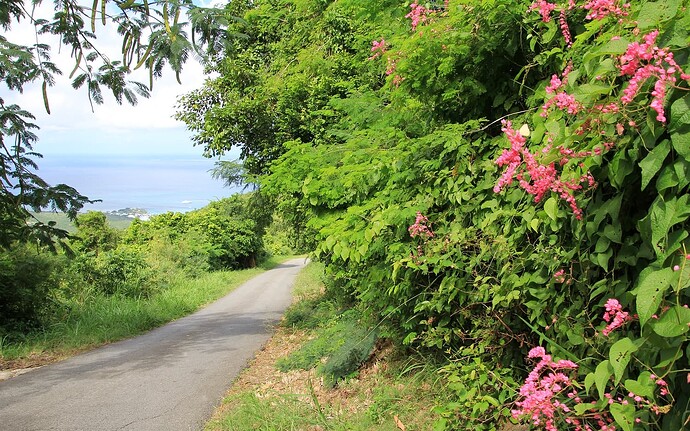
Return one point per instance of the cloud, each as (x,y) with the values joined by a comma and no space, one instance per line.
(71,111)
(72,127)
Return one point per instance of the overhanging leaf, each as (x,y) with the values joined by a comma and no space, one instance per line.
(673,322)
(624,415)
(651,287)
(601,377)
(619,357)
(551,208)
(651,164)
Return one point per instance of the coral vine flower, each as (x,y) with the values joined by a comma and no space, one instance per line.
(378,48)
(539,395)
(614,316)
(565,30)
(600,9)
(536,179)
(418,15)
(421,227)
(545,8)
(561,99)
(644,61)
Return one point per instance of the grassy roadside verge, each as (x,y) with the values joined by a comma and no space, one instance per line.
(388,392)
(99,319)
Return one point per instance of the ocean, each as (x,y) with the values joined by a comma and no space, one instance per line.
(156,184)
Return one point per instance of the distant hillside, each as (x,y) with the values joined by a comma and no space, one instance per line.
(117,221)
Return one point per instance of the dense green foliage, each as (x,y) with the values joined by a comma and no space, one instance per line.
(388,156)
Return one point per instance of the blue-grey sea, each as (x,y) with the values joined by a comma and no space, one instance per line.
(153,183)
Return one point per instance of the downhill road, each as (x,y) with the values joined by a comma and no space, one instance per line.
(168,379)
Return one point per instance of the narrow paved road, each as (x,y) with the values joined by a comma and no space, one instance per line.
(168,379)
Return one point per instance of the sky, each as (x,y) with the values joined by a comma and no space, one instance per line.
(110,129)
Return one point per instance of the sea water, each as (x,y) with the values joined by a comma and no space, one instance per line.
(156,184)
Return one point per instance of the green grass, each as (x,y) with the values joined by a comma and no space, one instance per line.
(103,319)
(371,404)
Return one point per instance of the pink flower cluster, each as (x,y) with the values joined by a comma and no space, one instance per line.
(597,9)
(421,227)
(600,9)
(540,178)
(545,8)
(565,30)
(543,390)
(559,276)
(645,60)
(614,316)
(391,65)
(561,99)
(543,386)
(378,48)
(418,14)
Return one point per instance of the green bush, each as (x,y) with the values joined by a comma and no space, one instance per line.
(213,233)
(123,271)
(27,277)
(94,234)
(189,255)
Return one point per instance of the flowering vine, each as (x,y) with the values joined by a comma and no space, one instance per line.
(534,177)
(643,61)
(418,15)
(540,393)
(378,48)
(421,227)
(614,316)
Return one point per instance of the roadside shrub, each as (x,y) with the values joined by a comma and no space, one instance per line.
(358,343)
(93,233)
(27,277)
(122,271)
(190,255)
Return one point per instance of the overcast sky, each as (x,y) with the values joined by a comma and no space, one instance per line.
(72,128)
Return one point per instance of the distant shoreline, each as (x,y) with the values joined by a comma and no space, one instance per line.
(118,219)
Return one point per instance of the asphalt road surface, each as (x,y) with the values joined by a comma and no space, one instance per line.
(168,379)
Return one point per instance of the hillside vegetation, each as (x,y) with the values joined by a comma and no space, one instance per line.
(502,184)
(106,284)
(63,222)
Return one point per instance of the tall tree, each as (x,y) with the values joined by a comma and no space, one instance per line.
(153,34)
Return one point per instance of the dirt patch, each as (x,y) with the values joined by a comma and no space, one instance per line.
(32,361)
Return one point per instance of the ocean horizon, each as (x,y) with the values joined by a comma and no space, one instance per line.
(156,184)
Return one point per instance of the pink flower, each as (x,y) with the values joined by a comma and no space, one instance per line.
(644,61)
(565,30)
(378,48)
(392,65)
(418,14)
(545,8)
(539,394)
(421,227)
(614,316)
(536,179)
(600,9)
(561,99)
